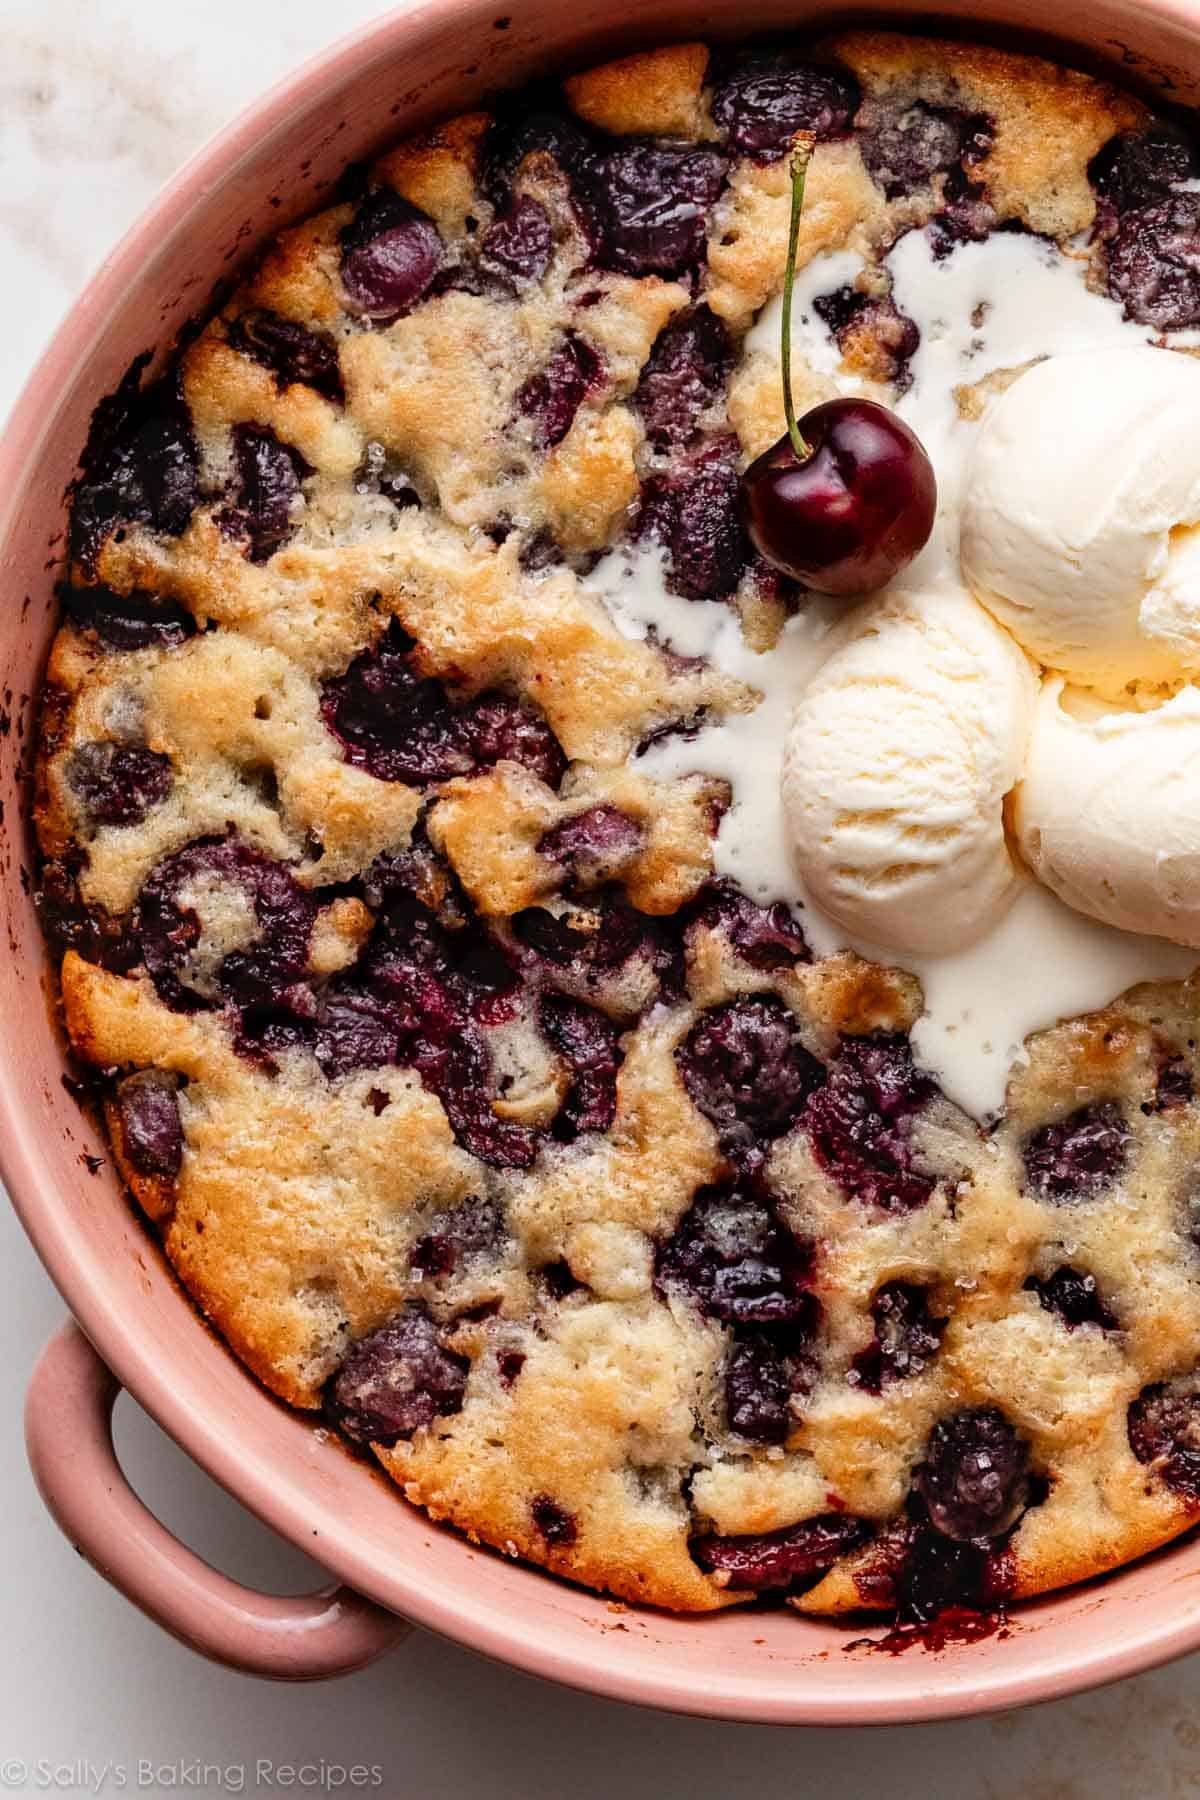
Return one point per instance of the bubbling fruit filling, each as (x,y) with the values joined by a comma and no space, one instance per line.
(409,799)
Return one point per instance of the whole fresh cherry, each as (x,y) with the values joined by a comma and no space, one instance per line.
(850,512)
(847,497)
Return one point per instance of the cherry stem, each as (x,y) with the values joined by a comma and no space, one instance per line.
(803,145)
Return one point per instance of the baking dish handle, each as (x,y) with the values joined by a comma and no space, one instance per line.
(68,1434)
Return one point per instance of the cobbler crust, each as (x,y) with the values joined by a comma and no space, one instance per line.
(468,1105)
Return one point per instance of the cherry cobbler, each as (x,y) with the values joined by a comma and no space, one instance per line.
(481,1100)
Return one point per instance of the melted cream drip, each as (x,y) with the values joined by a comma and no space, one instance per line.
(988,306)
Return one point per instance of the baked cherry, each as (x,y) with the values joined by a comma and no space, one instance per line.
(151,1129)
(1079,1157)
(397,1380)
(118,784)
(791,1559)
(589,1045)
(551,397)
(556,1524)
(391,252)
(847,496)
(289,350)
(134,621)
(1164,1431)
(455,1235)
(975,1477)
(765,1370)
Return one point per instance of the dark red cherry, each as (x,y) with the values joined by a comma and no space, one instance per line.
(396,1380)
(854,512)
(847,497)
(390,254)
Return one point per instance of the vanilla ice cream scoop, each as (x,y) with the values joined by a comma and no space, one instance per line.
(898,760)
(1078,528)
(1108,815)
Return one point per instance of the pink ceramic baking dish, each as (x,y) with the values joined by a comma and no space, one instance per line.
(141,1332)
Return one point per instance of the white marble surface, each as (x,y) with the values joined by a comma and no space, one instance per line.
(98,103)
